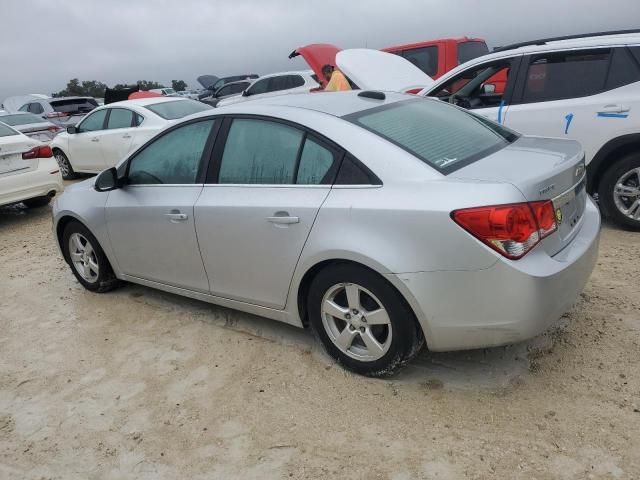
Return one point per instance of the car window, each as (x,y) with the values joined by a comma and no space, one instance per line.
(35,108)
(93,122)
(139,119)
(278,83)
(315,163)
(20,119)
(173,158)
(74,105)
(439,134)
(120,118)
(24,108)
(261,86)
(226,90)
(238,87)
(177,109)
(425,58)
(470,50)
(6,131)
(623,69)
(260,152)
(296,81)
(557,76)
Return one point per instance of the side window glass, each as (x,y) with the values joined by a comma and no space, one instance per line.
(565,75)
(278,83)
(351,173)
(93,122)
(174,158)
(296,81)
(139,119)
(426,59)
(315,163)
(120,118)
(36,108)
(259,87)
(623,69)
(260,152)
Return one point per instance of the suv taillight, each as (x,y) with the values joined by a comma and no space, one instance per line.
(56,115)
(43,151)
(511,230)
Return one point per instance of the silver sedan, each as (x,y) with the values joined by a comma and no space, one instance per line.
(382,221)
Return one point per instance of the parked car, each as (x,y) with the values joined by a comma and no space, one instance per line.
(28,172)
(62,111)
(275,84)
(212,84)
(168,92)
(585,88)
(109,133)
(191,94)
(380,220)
(226,91)
(31,125)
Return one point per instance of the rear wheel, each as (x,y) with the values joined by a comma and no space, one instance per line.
(88,262)
(362,320)
(37,202)
(619,192)
(65,166)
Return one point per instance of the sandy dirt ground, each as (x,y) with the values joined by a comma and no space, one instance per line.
(142,384)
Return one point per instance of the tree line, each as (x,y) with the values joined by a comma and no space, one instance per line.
(94,88)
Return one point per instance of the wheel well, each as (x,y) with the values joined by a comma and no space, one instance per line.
(307,279)
(612,150)
(62,224)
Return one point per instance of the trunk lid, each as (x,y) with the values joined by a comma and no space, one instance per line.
(376,70)
(541,169)
(317,55)
(11,149)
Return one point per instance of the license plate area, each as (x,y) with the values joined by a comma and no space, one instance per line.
(12,162)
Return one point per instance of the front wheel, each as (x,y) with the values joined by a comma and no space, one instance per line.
(362,320)
(619,192)
(65,166)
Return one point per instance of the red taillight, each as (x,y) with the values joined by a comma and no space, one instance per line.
(512,230)
(414,91)
(54,129)
(43,151)
(56,115)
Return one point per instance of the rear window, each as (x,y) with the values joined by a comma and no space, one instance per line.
(177,109)
(425,58)
(443,136)
(21,119)
(75,105)
(470,50)
(6,131)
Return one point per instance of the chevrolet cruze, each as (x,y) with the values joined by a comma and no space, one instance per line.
(382,221)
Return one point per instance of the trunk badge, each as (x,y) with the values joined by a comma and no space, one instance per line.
(558,215)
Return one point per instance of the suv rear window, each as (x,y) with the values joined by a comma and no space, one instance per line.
(76,105)
(177,109)
(441,135)
(470,50)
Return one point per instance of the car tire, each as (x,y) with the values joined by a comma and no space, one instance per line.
(37,202)
(613,202)
(340,299)
(64,165)
(86,258)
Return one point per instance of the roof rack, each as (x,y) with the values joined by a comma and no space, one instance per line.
(544,41)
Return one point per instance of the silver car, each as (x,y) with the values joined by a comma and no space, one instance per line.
(380,220)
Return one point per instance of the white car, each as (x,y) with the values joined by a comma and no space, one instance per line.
(275,84)
(165,91)
(109,133)
(28,172)
(582,87)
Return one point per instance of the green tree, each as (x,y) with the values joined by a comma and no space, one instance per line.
(149,84)
(178,85)
(86,88)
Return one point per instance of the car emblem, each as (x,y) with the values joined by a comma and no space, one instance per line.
(559,215)
(579,170)
(547,189)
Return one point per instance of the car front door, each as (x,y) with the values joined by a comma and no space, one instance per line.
(474,88)
(117,139)
(151,220)
(85,146)
(577,94)
(257,208)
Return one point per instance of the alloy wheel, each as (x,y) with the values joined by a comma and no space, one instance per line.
(83,257)
(356,322)
(63,164)
(626,194)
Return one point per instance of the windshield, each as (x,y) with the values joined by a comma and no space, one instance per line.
(169,91)
(6,131)
(443,136)
(21,119)
(177,109)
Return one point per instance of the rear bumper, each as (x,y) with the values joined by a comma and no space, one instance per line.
(508,302)
(37,183)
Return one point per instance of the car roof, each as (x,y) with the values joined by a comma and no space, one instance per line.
(409,46)
(279,74)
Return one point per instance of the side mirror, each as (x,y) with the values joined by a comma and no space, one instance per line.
(245,93)
(488,88)
(107,180)
(72,129)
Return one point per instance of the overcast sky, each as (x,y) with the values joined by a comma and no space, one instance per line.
(44,43)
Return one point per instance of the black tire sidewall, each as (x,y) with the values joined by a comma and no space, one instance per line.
(606,190)
(105,274)
(72,173)
(405,333)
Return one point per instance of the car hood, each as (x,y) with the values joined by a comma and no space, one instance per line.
(317,55)
(207,81)
(375,70)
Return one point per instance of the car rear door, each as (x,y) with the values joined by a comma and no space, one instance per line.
(151,219)
(585,95)
(266,184)
(117,138)
(85,146)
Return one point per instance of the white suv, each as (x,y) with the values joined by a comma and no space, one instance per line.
(585,88)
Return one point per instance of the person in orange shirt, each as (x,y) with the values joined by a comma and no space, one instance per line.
(337,82)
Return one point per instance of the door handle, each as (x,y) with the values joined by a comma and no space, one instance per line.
(126,135)
(612,108)
(283,218)
(175,217)
(95,139)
